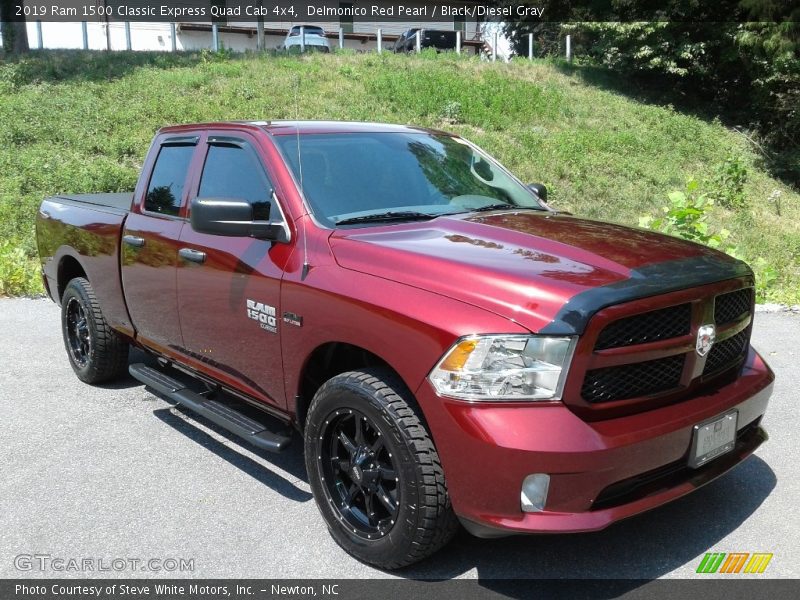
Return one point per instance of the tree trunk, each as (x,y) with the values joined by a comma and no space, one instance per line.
(15,32)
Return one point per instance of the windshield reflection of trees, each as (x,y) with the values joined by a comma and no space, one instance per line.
(449,171)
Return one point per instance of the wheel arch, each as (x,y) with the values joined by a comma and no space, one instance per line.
(328,360)
(68,269)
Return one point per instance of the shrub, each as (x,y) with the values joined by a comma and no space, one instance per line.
(19,274)
(687,217)
(728,183)
(766,277)
(451,112)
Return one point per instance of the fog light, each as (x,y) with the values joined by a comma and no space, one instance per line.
(534,492)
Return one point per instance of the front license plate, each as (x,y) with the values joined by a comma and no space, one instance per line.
(713,439)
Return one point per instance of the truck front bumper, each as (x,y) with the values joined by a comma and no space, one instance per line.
(600,472)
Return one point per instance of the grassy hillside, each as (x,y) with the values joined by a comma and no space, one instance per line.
(81,122)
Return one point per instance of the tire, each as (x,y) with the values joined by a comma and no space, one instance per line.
(423,520)
(96,352)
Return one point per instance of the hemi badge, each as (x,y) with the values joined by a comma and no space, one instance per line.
(292,319)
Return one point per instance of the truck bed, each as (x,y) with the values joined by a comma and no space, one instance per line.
(118,201)
(83,232)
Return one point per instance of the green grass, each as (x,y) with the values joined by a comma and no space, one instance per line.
(81,122)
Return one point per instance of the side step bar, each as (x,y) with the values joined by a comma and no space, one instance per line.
(223,415)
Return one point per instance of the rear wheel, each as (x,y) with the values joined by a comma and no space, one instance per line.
(96,352)
(375,472)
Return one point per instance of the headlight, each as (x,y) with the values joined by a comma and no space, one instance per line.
(504,368)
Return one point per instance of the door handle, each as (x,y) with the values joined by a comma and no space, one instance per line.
(192,255)
(133,240)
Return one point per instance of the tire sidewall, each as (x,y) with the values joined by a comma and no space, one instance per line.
(76,290)
(350,395)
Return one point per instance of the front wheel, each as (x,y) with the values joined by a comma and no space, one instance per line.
(374,471)
(96,352)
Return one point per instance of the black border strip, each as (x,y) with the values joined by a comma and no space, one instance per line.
(396,11)
(731,587)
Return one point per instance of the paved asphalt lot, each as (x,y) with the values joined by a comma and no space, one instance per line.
(117,472)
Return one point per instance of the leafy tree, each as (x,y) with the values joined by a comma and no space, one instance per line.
(748,72)
(547,37)
(739,59)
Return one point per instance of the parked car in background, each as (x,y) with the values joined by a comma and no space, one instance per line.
(306,37)
(429,38)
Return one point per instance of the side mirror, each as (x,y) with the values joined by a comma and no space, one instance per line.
(233,218)
(540,190)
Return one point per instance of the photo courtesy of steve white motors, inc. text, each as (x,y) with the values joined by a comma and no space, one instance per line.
(139,589)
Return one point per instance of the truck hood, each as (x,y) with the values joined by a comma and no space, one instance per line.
(546,271)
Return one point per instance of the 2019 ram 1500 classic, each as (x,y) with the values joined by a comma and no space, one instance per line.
(450,347)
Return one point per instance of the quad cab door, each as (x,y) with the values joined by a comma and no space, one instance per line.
(229,287)
(150,242)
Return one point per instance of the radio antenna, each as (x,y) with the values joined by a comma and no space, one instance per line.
(300,168)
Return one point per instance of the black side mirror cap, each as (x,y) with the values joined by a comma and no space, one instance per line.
(539,189)
(233,218)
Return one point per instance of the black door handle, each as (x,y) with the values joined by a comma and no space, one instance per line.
(192,255)
(133,240)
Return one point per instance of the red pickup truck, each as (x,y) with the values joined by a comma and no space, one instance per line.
(450,348)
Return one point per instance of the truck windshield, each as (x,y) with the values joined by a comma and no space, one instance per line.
(350,177)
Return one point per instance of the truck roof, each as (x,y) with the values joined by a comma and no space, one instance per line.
(304,127)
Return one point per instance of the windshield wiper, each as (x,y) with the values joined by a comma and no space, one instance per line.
(502,207)
(406,215)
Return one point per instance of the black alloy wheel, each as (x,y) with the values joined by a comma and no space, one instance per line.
(96,352)
(373,468)
(79,339)
(361,481)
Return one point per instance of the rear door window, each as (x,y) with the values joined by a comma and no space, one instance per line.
(165,192)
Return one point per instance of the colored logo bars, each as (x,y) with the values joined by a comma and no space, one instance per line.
(734,562)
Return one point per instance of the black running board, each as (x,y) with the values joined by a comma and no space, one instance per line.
(223,415)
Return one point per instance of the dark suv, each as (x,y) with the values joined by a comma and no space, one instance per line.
(429,38)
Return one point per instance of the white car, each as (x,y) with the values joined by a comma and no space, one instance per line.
(312,37)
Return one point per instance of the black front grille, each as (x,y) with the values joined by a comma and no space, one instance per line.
(732,306)
(651,326)
(726,354)
(632,380)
